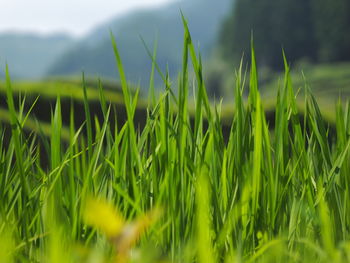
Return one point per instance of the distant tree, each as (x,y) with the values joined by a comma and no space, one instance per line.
(235,34)
(293,30)
(318,30)
(332,26)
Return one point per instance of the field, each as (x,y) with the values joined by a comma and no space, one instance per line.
(273,187)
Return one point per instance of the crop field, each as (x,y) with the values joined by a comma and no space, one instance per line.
(328,82)
(40,98)
(180,187)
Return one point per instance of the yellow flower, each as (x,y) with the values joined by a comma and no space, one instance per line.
(102,215)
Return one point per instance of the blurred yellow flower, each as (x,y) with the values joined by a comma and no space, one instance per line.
(102,215)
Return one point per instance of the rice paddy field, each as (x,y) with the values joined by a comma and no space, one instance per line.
(176,188)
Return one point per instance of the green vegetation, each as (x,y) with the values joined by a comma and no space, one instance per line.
(329,81)
(66,88)
(179,188)
(43,96)
(316,30)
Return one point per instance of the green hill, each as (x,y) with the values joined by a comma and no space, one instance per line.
(28,55)
(94,53)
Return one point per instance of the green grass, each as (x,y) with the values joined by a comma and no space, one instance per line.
(50,89)
(328,82)
(43,95)
(175,191)
(327,79)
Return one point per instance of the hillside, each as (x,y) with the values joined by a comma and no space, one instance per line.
(94,53)
(28,55)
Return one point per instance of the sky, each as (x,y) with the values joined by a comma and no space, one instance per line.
(76,17)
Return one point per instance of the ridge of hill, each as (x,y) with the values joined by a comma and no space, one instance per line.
(28,54)
(94,54)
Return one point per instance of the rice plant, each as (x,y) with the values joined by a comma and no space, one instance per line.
(177,190)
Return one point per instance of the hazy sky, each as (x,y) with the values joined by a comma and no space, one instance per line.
(74,16)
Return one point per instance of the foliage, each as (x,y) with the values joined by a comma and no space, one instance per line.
(332,25)
(305,29)
(260,196)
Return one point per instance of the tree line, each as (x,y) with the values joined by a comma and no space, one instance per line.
(313,30)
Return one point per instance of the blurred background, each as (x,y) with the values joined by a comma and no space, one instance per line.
(60,39)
